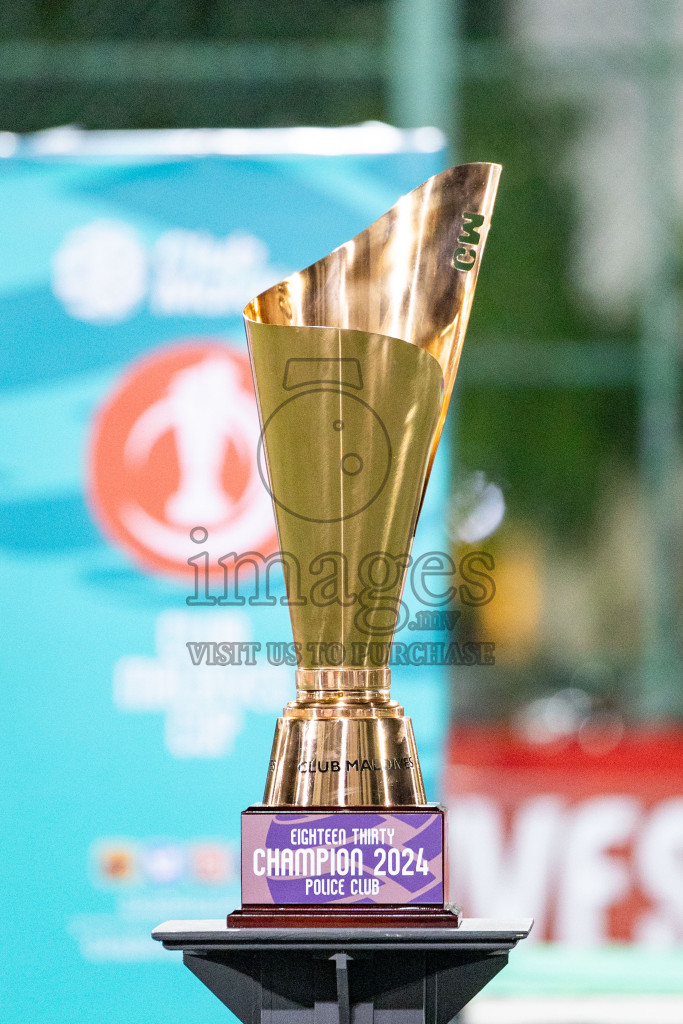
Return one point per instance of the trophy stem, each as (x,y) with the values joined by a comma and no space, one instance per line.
(344,742)
(343,692)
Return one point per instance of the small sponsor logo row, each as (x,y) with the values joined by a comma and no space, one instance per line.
(131,862)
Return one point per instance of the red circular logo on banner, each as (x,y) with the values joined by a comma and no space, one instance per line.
(174,448)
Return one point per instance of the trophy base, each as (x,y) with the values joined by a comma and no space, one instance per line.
(349,867)
(344,762)
(448,916)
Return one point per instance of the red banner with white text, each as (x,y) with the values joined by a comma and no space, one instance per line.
(584,833)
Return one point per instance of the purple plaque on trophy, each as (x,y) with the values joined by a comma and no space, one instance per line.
(343,858)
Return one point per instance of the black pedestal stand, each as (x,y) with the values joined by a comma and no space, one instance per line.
(344,975)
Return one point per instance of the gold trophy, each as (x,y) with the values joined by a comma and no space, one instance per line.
(345,913)
(354,360)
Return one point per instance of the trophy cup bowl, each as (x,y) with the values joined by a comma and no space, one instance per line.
(354,360)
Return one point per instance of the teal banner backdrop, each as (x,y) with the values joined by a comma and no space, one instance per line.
(139,712)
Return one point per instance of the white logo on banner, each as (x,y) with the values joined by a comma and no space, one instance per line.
(204,706)
(100,271)
(104,271)
(173,449)
(203,423)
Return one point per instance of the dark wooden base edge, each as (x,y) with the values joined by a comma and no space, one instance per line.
(341,917)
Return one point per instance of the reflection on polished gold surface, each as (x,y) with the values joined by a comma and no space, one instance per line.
(410,275)
(354,360)
(362,403)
